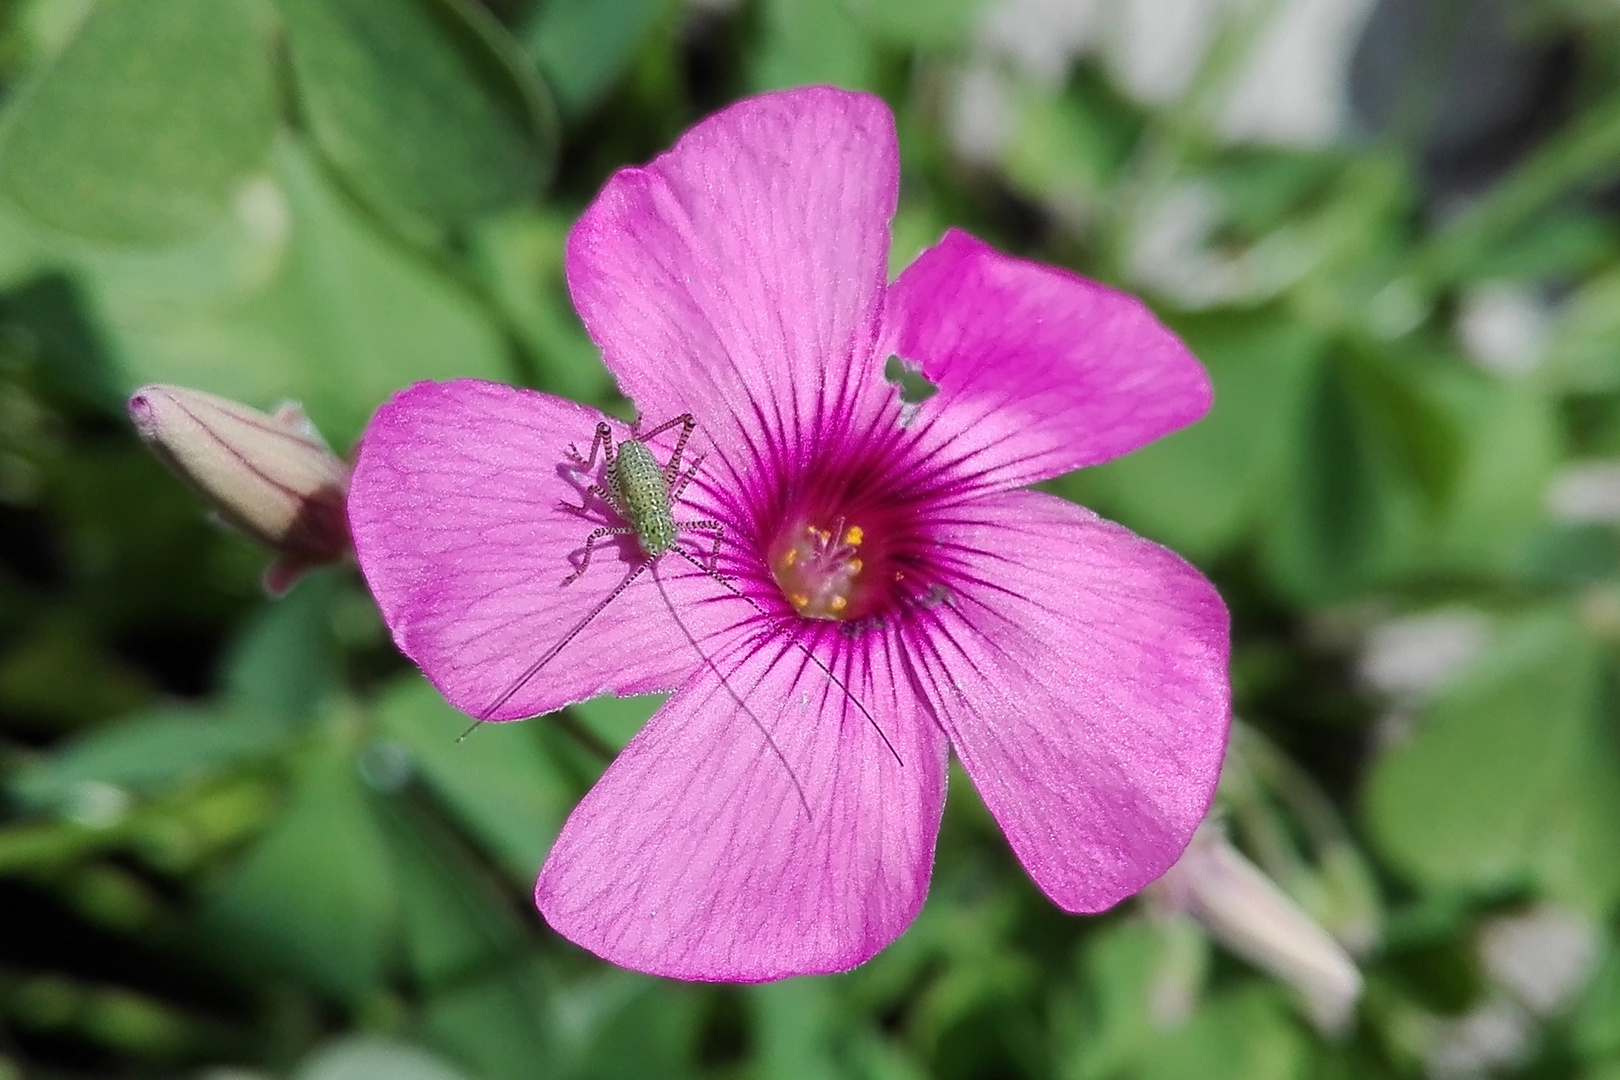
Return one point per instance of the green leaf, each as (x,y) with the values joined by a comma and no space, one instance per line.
(371,1058)
(23,252)
(1346,510)
(314,899)
(1246,1034)
(1581,356)
(585,46)
(1401,413)
(455,923)
(917,24)
(519,256)
(72,359)
(426,107)
(147,125)
(346,319)
(457,916)
(812,41)
(500,1025)
(629,1027)
(1582,153)
(143,754)
(1065,149)
(1467,802)
(1577,861)
(58,672)
(496,780)
(1510,445)
(1262,186)
(1122,964)
(796,1028)
(1564,243)
(617,719)
(1596,1021)
(284,663)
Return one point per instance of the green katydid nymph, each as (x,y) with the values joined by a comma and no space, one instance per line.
(642,495)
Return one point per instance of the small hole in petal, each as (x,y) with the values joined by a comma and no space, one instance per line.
(912,386)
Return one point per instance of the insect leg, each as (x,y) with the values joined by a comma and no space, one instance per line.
(706,525)
(584,504)
(590,546)
(759,725)
(603,438)
(685,420)
(686,478)
(775,622)
(672,467)
(603,442)
(687,423)
(550,654)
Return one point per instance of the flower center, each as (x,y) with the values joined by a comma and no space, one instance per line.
(821,570)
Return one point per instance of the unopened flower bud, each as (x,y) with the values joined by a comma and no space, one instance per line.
(1249,913)
(269,476)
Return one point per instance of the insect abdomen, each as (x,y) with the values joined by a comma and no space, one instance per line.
(640,486)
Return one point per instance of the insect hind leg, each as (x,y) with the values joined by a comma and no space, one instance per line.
(590,546)
(684,420)
(602,440)
(584,507)
(687,423)
(710,526)
(685,478)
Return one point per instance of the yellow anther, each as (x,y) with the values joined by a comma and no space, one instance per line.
(855,566)
(853,536)
(838,603)
(800,600)
(791,557)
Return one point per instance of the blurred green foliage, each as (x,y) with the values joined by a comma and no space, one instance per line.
(241,835)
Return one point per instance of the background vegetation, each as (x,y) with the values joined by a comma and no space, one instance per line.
(238,839)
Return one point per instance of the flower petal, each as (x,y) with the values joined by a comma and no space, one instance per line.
(455,506)
(740,276)
(1081,673)
(695,857)
(1039,370)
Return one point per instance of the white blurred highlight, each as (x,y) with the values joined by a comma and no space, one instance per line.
(1483,1040)
(1543,957)
(1289,89)
(1587,493)
(1504,328)
(1041,37)
(1410,658)
(981,114)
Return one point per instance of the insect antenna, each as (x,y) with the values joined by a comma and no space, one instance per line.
(812,657)
(743,705)
(551,653)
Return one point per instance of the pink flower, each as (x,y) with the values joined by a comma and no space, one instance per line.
(1078,671)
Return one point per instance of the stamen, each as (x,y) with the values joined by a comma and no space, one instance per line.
(819,572)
